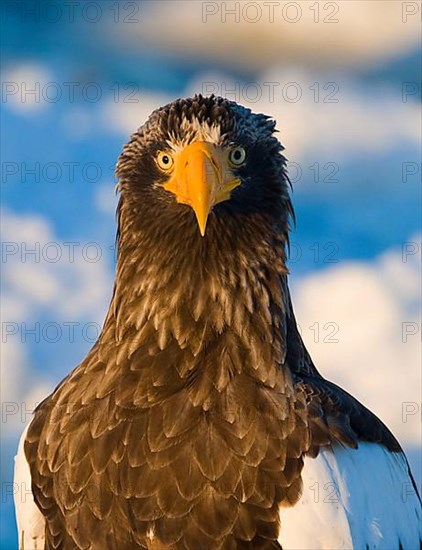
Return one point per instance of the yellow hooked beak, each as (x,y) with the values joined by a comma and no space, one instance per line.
(201,178)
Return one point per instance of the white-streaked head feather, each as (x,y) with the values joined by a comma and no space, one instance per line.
(195,130)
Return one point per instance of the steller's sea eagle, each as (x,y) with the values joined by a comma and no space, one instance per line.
(198,420)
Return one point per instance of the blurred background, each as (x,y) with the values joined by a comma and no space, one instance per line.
(343,81)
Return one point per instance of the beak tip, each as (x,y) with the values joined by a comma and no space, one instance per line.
(201,220)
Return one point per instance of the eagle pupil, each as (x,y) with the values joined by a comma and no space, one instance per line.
(166,159)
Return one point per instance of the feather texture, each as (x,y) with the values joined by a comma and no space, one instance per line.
(188,423)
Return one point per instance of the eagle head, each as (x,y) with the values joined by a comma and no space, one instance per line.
(203,163)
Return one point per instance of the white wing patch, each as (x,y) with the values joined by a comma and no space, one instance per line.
(31,523)
(356,499)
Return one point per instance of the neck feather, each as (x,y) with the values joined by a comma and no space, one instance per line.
(189,301)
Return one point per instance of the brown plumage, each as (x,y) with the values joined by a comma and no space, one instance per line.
(186,425)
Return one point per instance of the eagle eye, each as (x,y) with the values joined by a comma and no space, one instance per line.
(237,156)
(165,160)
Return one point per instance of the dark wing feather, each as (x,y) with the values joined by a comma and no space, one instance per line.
(334,415)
